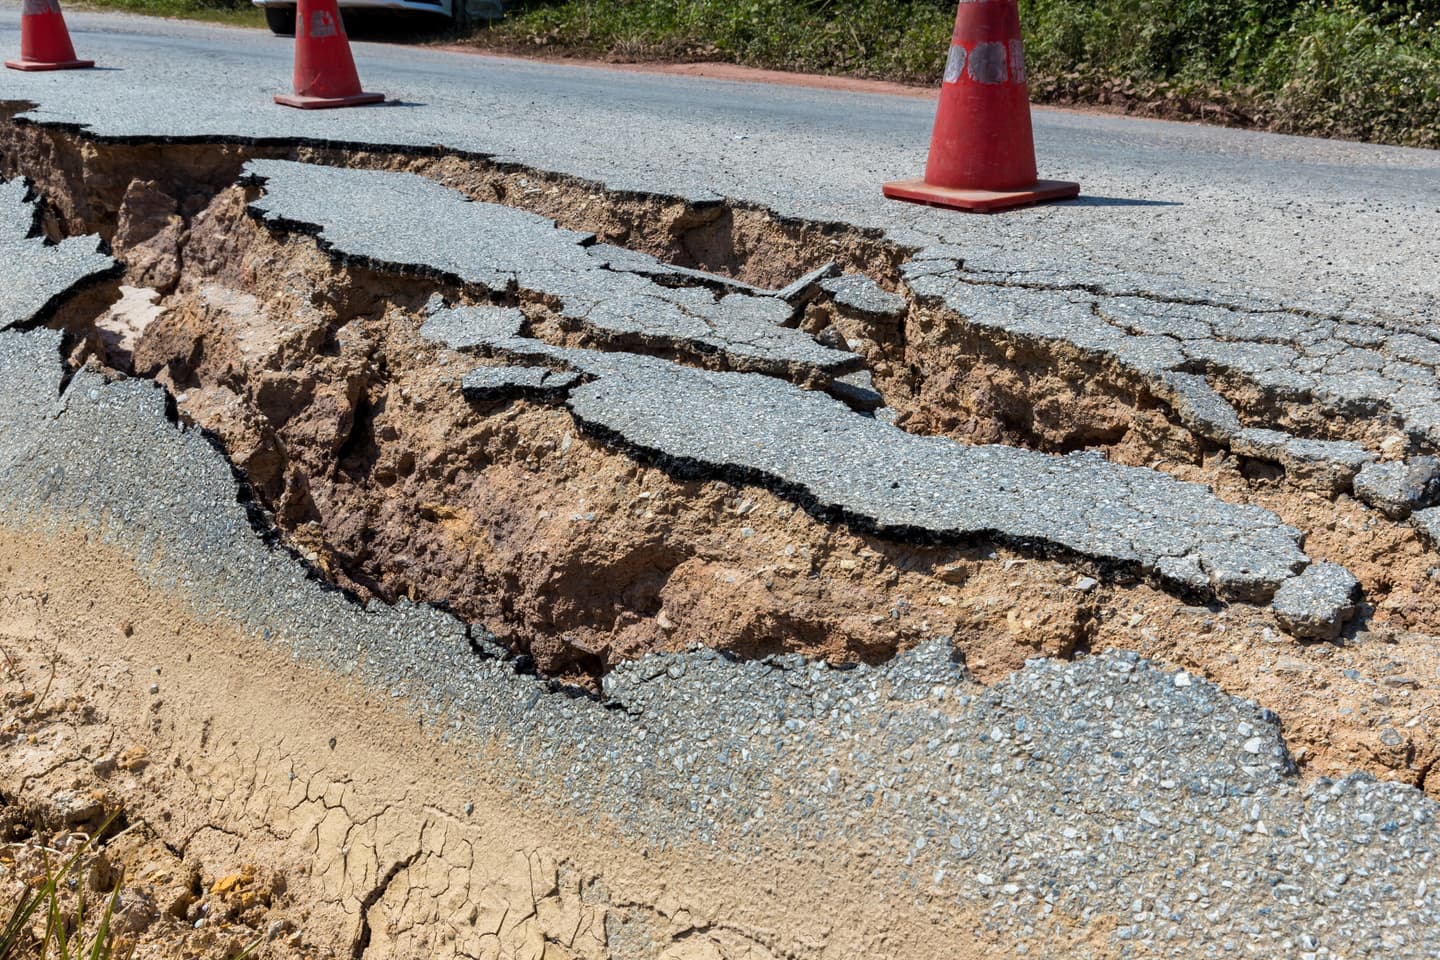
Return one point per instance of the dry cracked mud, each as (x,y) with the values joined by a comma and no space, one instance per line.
(365,456)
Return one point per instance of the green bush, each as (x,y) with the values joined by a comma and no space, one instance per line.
(1344,71)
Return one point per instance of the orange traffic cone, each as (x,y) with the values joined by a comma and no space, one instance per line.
(982,155)
(44,39)
(324,69)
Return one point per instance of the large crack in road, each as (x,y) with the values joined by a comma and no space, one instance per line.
(297,385)
(647,502)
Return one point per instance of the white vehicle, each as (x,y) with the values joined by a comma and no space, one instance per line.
(280,14)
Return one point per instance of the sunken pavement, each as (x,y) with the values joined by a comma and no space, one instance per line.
(1085,787)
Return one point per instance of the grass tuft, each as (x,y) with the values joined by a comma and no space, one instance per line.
(65,936)
(72,931)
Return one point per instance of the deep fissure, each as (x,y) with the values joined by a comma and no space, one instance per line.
(426,496)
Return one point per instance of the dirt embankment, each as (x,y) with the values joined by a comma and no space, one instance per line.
(353,432)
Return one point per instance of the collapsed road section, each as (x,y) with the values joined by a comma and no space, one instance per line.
(305,357)
(1336,381)
(836,577)
(1036,812)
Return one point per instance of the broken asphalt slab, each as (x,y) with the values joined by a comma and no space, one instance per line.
(843,466)
(1368,375)
(501,249)
(36,275)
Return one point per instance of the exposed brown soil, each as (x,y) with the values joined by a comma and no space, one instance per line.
(354,434)
(163,907)
(353,429)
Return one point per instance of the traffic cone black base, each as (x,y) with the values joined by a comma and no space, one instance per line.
(980,201)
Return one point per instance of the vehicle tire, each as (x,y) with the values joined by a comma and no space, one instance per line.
(281,21)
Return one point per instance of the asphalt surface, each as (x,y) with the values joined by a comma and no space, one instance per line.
(1326,225)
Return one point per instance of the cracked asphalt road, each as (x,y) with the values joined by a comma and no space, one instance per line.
(1106,787)
(1326,225)
(497,247)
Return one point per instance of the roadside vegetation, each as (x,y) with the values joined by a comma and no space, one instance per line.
(65,923)
(1355,69)
(62,898)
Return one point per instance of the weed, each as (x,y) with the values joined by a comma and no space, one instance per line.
(62,939)
(71,930)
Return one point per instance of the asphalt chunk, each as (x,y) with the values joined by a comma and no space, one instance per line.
(502,249)
(857,293)
(508,383)
(1317,603)
(1398,488)
(472,326)
(1427,526)
(625,260)
(36,275)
